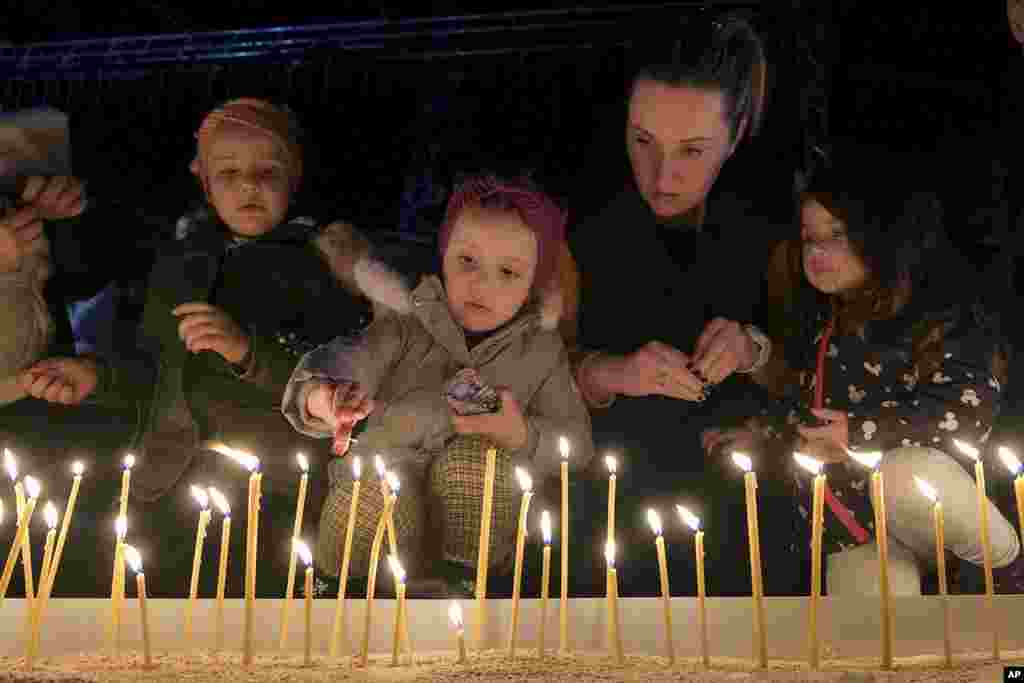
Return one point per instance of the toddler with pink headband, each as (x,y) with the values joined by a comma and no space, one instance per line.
(475,363)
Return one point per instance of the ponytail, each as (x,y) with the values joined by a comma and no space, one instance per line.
(726,55)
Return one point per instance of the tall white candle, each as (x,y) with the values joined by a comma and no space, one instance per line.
(300,504)
(931,494)
(614,638)
(563,605)
(613,466)
(545,531)
(1017,471)
(986,545)
(222,570)
(32,488)
(756,577)
(302,550)
(399,574)
(814,643)
(526,484)
(203,499)
(134,560)
(654,519)
(340,623)
(455,617)
(11,464)
(693,522)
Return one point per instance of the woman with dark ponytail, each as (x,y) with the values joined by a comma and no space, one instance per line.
(667,297)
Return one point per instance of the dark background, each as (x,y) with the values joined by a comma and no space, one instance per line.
(386,94)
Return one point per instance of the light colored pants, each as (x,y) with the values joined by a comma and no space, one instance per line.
(912,531)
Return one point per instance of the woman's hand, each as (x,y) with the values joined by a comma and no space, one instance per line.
(655,369)
(830,442)
(723,348)
(507,427)
(67,381)
(207,328)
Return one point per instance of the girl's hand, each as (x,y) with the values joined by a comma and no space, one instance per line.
(507,426)
(61,380)
(207,328)
(830,442)
(347,405)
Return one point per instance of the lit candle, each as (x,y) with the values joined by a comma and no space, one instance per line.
(817,525)
(302,550)
(32,488)
(756,578)
(371,580)
(483,551)
(252,464)
(931,494)
(300,504)
(222,571)
(385,489)
(77,469)
(399,574)
(197,558)
(654,519)
(1017,470)
(116,594)
(563,605)
(545,531)
(132,557)
(986,546)
(526,484)
(694,523)
(614,641)
(872,461)
(19,498)
(613,467)
(119,574)
(32,615)
(455,616)
(339,610)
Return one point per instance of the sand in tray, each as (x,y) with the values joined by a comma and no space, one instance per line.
(493,666)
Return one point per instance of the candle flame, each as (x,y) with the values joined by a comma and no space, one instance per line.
(378,462)
(393,483)
(525,482)
(50,515)
(545,526)
(654,519)
(129,461)
(396,569)
(357,468)
(927,490)
(77,468)
(870,459)
(10,464)
(121,527)
(688,518)
(132,557)
(303,551)
(455,615)
(810,464)
(967,449)
(743,461)
(611,463)
(201,497)
(609,553)
(246,460)
(220,501)
(563,447)
(1011,461)
(303,462)
(32,487)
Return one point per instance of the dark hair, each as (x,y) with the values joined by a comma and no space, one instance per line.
(723,54)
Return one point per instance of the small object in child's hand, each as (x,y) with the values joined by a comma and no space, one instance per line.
(468,395)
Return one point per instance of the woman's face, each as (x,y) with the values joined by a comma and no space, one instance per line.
(830,263)
(678,138)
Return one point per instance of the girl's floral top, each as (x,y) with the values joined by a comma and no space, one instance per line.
(892,401)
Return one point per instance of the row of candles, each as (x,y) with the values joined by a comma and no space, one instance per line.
(390,486)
